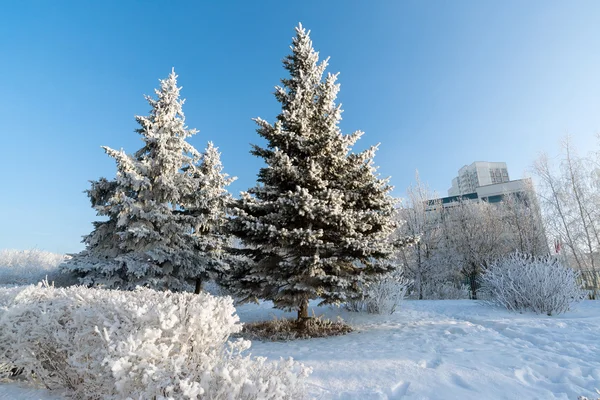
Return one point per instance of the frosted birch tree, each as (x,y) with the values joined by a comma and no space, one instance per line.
(475,233)
(523,222)
(427,262)
(318,220)
(570,203)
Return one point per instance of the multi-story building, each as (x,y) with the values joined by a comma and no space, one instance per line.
(487,182)
(479,173)
(491,193)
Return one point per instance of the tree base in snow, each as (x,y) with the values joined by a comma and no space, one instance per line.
(289,329)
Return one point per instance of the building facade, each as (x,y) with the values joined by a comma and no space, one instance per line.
(479,173)
(493,193)
(520,190)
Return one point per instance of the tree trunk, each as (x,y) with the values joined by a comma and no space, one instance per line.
(420,267)
(303,310)
(198,286)
(474,285)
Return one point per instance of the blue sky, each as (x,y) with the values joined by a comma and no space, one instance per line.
(439,83)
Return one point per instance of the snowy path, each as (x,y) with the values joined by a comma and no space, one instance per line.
(439,350)
(450,350)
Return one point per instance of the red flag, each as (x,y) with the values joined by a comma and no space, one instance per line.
(557,246)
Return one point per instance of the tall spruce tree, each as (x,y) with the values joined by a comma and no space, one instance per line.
(316,224)
(164,209)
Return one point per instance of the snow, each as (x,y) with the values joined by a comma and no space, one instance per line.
(15,391)
(444,349)
(449,349)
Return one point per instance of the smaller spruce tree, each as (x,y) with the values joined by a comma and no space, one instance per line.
(164,210)
(208,205)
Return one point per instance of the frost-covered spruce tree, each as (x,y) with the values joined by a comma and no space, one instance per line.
(316,224)
(160,226)
(208,204)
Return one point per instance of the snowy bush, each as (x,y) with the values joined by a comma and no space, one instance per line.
(539,284)
(143,344)
(284,329)
(383,295)
(25,267)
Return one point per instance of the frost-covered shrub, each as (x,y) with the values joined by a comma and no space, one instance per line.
(143,344)
(26,267)
(383,295)
(539,284)
(284,329)
(386,293)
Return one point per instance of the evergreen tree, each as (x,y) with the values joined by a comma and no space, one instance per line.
(316,224)
(160,229)
(208,204)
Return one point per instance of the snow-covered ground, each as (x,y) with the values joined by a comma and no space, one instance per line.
(449,349)
(16,391)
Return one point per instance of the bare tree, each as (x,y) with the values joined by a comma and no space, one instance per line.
(420,218)
(523,223)
(554,207)
(569,197)
(475,233)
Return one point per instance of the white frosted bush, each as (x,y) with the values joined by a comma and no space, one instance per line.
(25,267)
(143,344)
(383,295)
(540,284)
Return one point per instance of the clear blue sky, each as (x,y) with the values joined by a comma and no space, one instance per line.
(439,83)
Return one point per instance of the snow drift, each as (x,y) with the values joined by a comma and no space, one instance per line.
(25,267)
